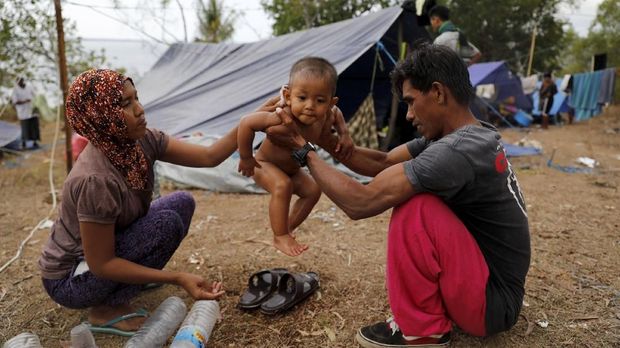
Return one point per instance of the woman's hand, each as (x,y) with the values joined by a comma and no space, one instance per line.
(270,105)
(198,288)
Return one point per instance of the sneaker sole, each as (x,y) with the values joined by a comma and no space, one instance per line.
(368,344)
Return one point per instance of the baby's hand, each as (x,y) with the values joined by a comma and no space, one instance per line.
(344,148)
(246,166)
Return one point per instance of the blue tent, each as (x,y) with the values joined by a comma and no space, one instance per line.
(506,83)
(209,87)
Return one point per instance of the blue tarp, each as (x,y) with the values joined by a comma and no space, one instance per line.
(517,151)
(506,83)
(8,133)
(585,95)
(209,87)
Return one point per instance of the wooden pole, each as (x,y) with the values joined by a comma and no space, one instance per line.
(395,99)
(62,67)
(531,59)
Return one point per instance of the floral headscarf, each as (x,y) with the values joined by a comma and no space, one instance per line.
(94,111)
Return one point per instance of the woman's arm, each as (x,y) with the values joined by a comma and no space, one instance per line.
(98,245)
(192,155)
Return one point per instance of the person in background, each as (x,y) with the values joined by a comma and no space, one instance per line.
(548,89)
(451,36)
(22,100)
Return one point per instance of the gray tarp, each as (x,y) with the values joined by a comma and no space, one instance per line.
(209,87)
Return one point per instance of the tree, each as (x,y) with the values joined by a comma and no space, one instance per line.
(602,38)
(28,44)
(294,15)
(213,24)
(502,30)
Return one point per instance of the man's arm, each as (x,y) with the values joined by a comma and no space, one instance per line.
(389,188)
(367,161)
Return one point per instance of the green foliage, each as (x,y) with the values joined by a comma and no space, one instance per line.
(502,30)
(602,38)
(294,15)
(28,44)
(214,25)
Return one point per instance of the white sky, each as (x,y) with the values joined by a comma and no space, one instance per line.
(252,23)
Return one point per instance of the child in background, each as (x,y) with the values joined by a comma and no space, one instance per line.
(310,95)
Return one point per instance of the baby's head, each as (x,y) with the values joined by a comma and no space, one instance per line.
(311,89)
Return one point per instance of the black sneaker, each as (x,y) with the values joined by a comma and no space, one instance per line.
(387,334)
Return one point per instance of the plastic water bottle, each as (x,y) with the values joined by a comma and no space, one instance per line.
(160,325)
(197,327)
(81,337)
(23,340)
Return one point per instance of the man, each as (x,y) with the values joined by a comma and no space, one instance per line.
(22,100)
(458,246)
(451,36)
(548,90)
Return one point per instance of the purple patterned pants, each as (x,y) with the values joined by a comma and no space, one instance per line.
(150,241)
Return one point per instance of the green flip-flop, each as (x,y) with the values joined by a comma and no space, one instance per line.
(107,327)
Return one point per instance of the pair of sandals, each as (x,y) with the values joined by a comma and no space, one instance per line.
(277,290)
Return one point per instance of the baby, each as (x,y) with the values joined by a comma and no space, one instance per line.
(310,95)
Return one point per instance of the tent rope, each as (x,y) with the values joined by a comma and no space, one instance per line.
(381,47)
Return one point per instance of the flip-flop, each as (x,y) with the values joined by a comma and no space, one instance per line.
(292,289)
(150,286)
(260,285)
(107,328)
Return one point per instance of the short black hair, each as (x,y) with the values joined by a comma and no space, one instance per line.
(430,63)
(440,11)
(316,67)
(547,74)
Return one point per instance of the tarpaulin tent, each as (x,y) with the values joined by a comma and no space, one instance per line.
(8,133)
(209,87)
(506,83)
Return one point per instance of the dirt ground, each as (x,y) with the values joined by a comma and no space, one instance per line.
(573,284)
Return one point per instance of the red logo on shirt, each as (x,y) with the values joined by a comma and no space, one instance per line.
(500,162)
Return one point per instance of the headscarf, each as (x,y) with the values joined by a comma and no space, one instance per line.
(94,111)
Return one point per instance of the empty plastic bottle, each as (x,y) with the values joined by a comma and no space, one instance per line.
(197,327)
(81,337)
(160,325)
(23,340)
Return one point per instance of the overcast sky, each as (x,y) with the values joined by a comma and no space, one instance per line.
(96,19)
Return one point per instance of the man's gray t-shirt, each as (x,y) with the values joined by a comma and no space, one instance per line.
(469,171)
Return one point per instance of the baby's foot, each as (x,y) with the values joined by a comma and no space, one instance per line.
(288,245)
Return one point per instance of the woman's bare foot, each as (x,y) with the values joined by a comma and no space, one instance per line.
(288,245)
(100,315)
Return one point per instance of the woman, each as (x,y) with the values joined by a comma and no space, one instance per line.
(109,239)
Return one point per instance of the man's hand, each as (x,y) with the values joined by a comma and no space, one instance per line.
(286,134)
(198,288)
(246,166)
(285,115)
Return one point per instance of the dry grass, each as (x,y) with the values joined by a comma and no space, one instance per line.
(573,282)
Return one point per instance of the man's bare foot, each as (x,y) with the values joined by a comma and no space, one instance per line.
(288,245)
(100,315)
